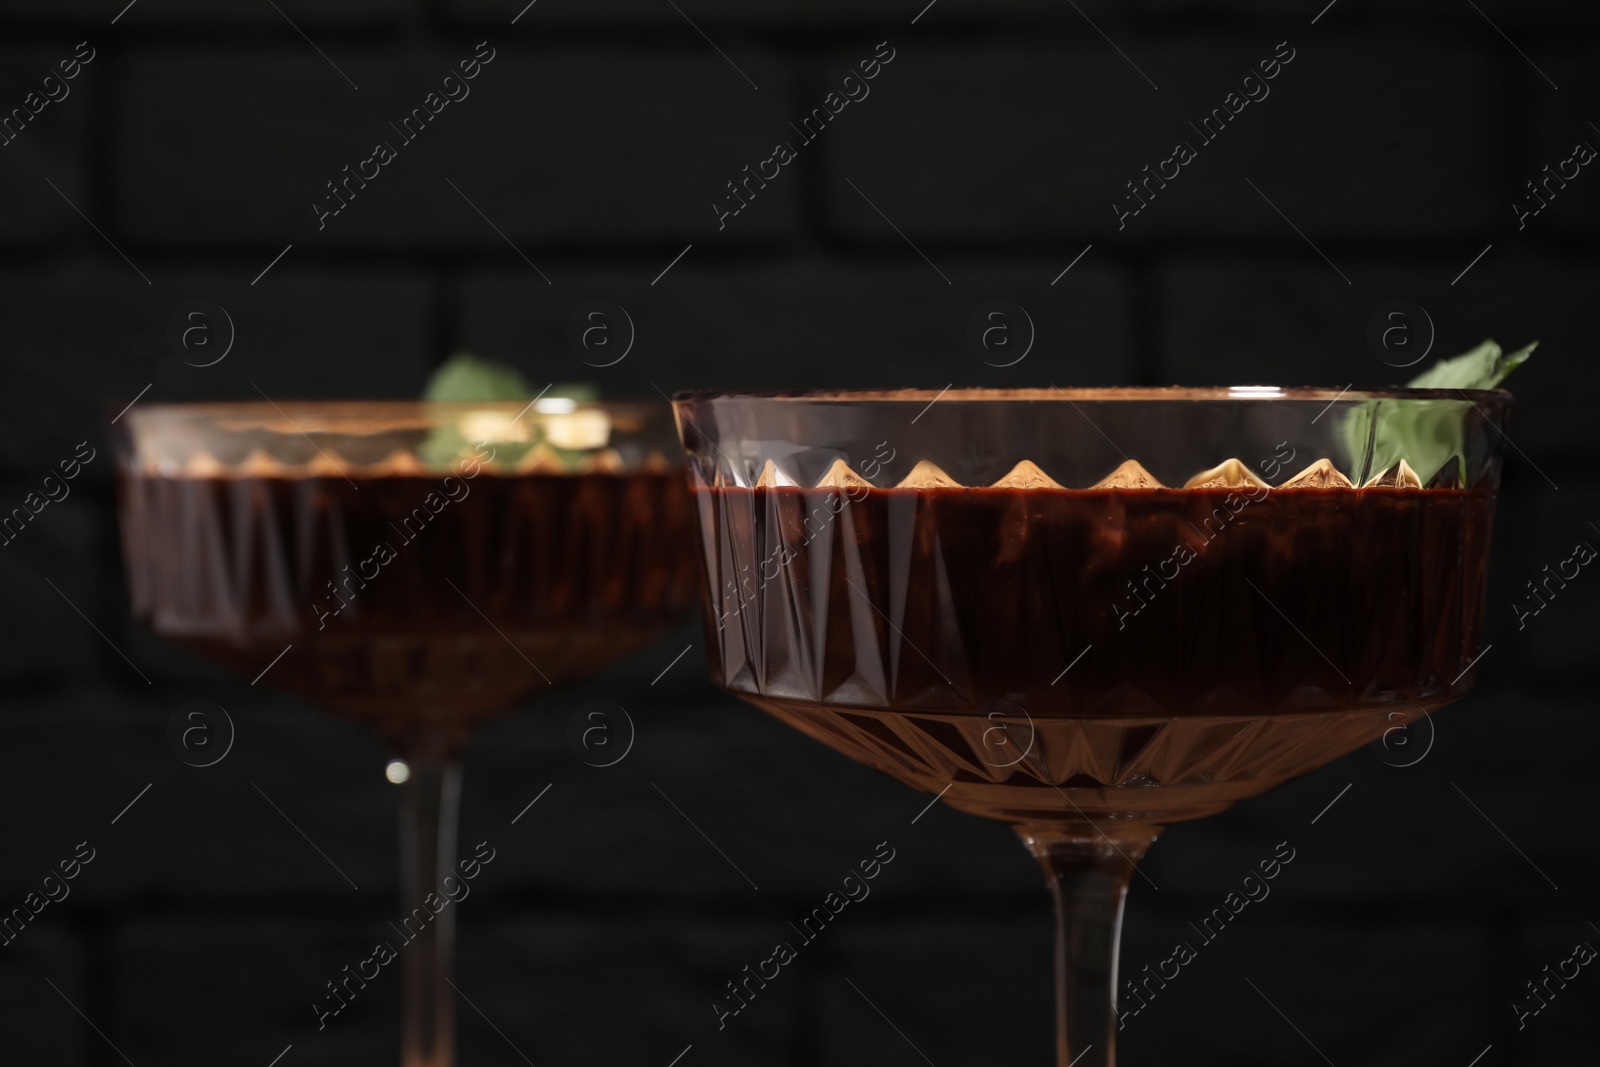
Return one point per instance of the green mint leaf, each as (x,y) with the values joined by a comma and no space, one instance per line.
(442,445)
(1483,368)
(1427,433)
(465,377)
(579,392)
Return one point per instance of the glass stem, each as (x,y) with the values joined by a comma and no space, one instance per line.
(1088,873)
(430,804)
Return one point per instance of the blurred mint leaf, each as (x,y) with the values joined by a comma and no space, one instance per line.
(442,445)
(465,377)
(578,392)
(1427,434)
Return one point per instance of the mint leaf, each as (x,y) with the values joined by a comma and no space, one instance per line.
(579,392)
(1482,368)
(465,377)
(442,445)
(1427,434)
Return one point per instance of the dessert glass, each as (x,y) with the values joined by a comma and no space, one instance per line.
(1092,613)
(417,566)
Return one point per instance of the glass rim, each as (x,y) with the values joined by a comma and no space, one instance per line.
(365,417)
(373,408)
(1166,393)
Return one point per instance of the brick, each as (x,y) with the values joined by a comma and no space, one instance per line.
(163,662)
(252,1011)
(566,988)
(1410,838)
(788,814)
(575,146)
(1550,16)
(806,819)
(810,324)
(1573,211)
(557,988)
(1539,527)
(595,825)
(1347,989)
(202,833)
(42,637)
(1291,322)
(934,976)
(950,148)
(53,147)
(803,820)
(1514,756)
(84,341)
(1012,15)
(943,149)
(499,13)
(356,335)
(1562,1028)
(96,18)
(207,833)
(1374,139)
(39,1025)
(832,16)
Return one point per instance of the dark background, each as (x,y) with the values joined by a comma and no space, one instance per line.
(596,141)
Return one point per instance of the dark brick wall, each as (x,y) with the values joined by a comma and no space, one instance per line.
(589,153)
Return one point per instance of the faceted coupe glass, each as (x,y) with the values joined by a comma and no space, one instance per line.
(417,566)
(1093,613)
